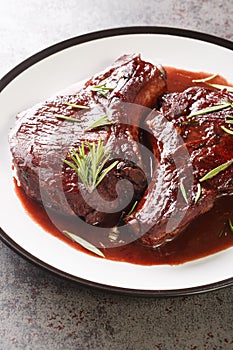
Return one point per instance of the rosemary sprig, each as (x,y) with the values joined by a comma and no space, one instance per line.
(76,106)
(183,191)
(102,89)
(102,121)
(203,80)
(198,194)
(215,108)
(60,116)
(221,87)
(89,166)
(216,170)
(228,131)
(85,244)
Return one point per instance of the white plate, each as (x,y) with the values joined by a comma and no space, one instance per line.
(62,65)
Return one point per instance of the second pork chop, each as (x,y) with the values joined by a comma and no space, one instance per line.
(194,162)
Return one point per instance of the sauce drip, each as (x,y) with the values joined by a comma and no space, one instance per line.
(206,235)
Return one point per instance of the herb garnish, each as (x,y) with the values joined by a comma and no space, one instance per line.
(85,244)
(228,131)
(198,194)
(102,121)
(221,233)
(229,121)
(230,225)
(76,106)
(216,170)
(215,108)
(60,116)
(132,209)
(216,86)
(221,87)
(102,89)
(183,191)
(203,80)
(89,166)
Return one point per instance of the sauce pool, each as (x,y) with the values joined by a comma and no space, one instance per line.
(208,234)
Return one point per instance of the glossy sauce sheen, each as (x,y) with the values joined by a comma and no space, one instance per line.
(208,234)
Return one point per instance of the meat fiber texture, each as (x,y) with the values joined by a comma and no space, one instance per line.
(186,149)
(40,140)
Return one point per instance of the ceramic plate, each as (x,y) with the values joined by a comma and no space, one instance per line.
(60,66)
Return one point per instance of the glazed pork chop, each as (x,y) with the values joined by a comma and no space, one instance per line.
(45,136)
(193,148)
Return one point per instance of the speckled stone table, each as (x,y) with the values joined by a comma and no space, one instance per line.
(41,311)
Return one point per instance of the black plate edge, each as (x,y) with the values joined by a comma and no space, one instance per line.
(76,41)
(6,79)
(108,288)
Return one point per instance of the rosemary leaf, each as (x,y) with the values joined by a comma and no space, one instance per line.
(76,106)
(70,165)
(132,209)
(205,79)
(67,118)
(230,225)
(228,131)
(102,121)
(102,89)
(198,194)
(183,191)
(211,109)
(221,87)
(229,121)
(221,233)
(85,244)
(216,170)
(104,173)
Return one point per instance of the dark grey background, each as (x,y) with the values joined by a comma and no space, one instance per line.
(39,310)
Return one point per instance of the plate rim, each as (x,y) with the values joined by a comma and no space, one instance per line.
(104,287)
(77,40)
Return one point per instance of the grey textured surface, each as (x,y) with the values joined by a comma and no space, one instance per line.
(39,310)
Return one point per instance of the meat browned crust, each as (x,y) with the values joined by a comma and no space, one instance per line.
(186,149)
(40,140)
